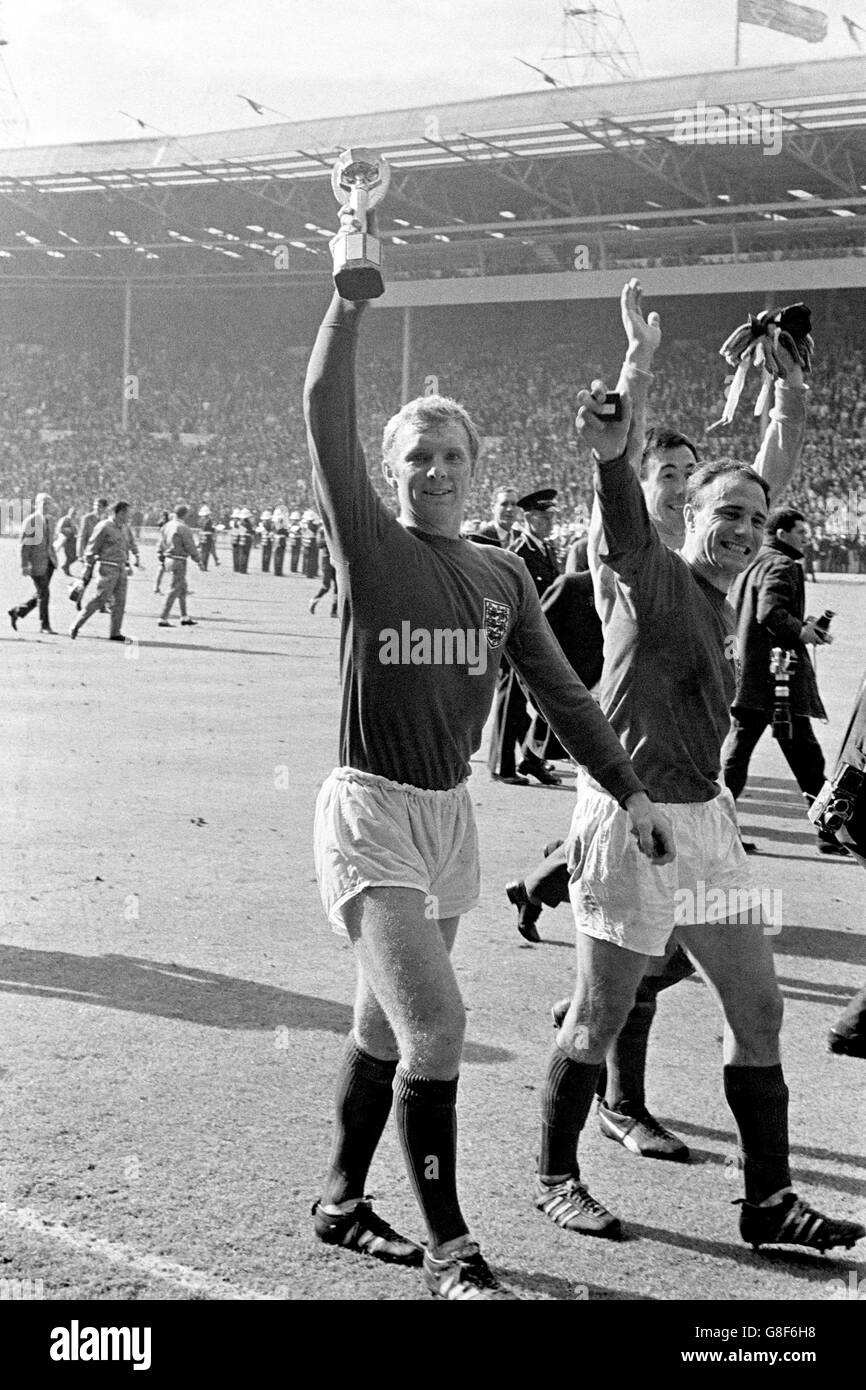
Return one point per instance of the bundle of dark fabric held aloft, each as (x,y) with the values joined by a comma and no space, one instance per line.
(757,343)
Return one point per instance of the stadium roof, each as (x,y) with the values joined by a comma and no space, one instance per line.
(755,147)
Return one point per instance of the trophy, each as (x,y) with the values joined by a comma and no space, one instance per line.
(360,180)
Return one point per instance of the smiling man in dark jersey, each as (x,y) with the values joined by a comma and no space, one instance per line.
(427,616)
(667,686)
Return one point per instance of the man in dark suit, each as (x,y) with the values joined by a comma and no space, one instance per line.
(511,719)
(570,609)
(538,554)
(500,531)
(770,602)
(37,560)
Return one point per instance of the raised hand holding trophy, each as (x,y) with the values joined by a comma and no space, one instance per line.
(360,180)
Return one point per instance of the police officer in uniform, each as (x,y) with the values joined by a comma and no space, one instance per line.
(533,543)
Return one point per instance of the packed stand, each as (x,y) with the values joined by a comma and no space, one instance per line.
(215,416)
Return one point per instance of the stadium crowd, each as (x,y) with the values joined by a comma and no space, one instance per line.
(216,418)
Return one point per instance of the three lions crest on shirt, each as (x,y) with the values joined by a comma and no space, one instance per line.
(497,616)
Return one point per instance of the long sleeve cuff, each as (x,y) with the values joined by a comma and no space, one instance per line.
(623,783)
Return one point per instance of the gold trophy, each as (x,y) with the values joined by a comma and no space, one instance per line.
(360,180)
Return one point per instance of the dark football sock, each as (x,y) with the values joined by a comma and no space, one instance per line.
(758,1098)
(363,1103)
(565,1103)
(626,1061)
(625,1075)
(426,1115)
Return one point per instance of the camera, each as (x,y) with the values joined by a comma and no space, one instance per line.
(611,408)
(834,805)
(782,666)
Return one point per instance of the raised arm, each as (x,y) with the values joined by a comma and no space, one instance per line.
(621,533)
(351,511)
(781,449)
(643,337)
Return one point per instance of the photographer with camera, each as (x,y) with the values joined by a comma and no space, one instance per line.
(769,600)
(840,811)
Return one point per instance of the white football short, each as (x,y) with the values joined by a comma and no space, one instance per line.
(619,895)
(371,832)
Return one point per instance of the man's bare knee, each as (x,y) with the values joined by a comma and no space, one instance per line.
(756,1023)
(431,1041)
(376,1039)
(441,1019)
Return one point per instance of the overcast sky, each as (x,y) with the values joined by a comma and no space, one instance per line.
(178,64)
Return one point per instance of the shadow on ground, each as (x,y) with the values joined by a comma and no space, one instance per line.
(808,1151)
(816,992)
(168,990)
(835,1182)
(802,1265)
(817,944)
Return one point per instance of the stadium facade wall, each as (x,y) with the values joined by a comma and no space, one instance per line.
(741,277)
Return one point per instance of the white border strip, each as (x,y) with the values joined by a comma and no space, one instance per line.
(194,1281)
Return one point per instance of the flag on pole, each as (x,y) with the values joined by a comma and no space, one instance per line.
(799,20)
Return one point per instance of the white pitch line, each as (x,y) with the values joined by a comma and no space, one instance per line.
(151,1266)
